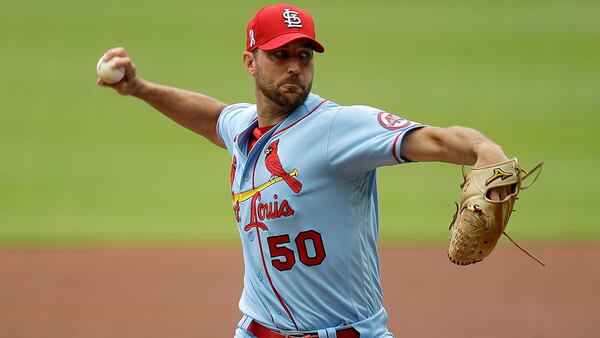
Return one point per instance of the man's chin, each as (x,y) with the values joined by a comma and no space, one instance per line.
(294,95)
(294,98)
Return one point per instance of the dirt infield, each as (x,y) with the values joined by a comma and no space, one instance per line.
(193,292)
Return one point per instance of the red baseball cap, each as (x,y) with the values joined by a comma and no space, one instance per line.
(274,26)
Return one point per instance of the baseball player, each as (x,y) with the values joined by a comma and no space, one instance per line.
(303,181)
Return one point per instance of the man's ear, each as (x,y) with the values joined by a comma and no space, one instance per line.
(249,62)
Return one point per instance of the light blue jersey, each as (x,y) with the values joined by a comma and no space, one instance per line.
(305,202)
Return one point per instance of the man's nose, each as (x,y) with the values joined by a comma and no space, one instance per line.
(294,66)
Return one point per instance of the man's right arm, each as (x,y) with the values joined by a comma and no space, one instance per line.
(194,111)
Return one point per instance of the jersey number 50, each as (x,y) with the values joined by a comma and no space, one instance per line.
(283,258)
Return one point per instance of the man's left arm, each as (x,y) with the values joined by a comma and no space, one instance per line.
(458,145)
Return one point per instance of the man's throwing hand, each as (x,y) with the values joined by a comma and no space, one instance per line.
(131,83)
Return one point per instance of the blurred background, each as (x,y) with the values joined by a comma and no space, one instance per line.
(83,167)
(82,164)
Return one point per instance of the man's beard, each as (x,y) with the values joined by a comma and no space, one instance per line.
(288,103)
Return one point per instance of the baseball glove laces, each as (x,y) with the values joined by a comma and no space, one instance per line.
(479,222)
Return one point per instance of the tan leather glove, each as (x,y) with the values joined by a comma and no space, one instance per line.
(479,221)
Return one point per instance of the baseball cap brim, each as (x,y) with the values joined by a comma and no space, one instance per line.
(289,37)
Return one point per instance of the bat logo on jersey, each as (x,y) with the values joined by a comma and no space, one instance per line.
(291,18)
(391,122)
(246,195)
(274,166)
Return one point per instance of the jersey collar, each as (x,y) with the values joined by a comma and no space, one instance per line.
(309,106)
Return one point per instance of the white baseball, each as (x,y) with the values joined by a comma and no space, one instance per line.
(108,74)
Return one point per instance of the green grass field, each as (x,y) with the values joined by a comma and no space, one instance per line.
(81,164)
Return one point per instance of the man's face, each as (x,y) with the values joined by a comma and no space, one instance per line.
(284,75)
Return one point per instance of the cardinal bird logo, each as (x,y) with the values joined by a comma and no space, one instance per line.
(274,166)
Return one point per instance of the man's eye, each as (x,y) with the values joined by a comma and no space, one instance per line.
(305,55)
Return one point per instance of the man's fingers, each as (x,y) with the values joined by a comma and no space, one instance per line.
(499,193)
(125,62)
(113,52)
(503,193)
(494,195)
(119,61)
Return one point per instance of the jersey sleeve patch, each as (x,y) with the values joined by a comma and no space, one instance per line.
(363,138)
(391,121)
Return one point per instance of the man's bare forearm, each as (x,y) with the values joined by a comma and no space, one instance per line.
(194,111)
(458,145)
(468,146)
(197,112)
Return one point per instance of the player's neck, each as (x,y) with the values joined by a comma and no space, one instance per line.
(270,113)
